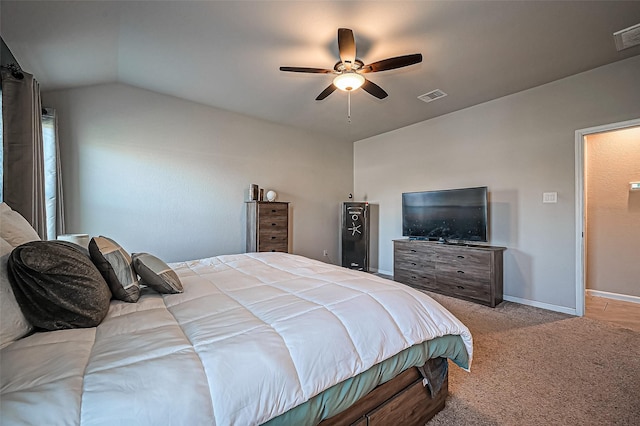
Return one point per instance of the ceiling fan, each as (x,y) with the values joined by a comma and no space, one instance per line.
(349,69)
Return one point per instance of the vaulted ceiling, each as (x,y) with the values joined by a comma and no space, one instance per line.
(227,54)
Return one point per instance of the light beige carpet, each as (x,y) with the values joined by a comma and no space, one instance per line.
(537,367)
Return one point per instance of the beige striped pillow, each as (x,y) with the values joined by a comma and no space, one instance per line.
(114,263)
(156,274)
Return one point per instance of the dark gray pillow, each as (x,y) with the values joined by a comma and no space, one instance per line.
(57,286)
(156,274)
(114,263)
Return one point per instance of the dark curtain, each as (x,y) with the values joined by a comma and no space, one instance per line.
(23,149)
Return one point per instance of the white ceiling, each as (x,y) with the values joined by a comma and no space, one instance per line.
(227,54)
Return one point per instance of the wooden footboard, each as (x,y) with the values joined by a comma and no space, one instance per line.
(402,401)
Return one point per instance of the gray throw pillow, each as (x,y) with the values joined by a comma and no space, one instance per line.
(57,286)
(156,274)
(114,263)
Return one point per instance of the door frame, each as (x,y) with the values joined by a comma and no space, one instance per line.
(580,161)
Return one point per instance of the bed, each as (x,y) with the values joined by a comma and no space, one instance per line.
(256,338)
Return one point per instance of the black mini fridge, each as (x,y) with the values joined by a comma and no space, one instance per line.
(355,236)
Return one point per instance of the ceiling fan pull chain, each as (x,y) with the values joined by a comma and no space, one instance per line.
(349,106)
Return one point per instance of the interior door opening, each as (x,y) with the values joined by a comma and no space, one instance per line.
(581,203)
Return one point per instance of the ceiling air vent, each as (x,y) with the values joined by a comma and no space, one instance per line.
(432,96)
(627,38)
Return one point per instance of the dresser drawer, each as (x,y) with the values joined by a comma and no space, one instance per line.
(471,258)
(273,222)
(280,246)
(471,273)
(415,249)
(466,289)
(414,263)
(424,281)
(267,209)
(272,234)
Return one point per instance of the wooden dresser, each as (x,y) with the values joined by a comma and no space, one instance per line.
(468,272)
(267,226)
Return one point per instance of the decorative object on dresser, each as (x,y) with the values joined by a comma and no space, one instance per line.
(470,272)
(271,195)
(254,191)
(267,226)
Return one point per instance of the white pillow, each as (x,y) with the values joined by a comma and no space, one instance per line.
(5,247)
(13,324)
(14,228)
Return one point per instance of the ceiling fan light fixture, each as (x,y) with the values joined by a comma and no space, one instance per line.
(348,81)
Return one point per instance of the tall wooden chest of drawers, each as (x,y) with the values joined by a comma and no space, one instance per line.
(468,272)
(267,226)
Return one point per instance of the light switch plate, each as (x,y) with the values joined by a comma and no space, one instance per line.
(549,197)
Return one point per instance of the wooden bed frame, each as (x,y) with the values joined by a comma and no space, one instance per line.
(403,400)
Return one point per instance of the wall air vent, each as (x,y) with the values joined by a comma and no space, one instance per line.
(432,96)
(627,38)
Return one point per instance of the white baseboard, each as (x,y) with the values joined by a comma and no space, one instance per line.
(547,306)
(381,272)
(615,296)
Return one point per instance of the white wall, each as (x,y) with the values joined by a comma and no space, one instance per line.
(613,212)
(519,146)
(170,177)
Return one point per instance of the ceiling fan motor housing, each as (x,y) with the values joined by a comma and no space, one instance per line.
(341,67)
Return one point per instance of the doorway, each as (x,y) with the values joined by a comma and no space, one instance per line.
(581,231)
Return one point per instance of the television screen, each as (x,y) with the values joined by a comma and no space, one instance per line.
(453,214)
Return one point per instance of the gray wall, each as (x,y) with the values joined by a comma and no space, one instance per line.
(519,146)
(170,177)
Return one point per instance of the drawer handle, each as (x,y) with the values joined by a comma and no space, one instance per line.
(273,224)
(413,264)
(461,272)
(413,277)
(461,287)
(273,249)
(273,238)
(273,211)
(460,257)
(413,251)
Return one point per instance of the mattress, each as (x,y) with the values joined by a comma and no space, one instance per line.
(342,395)
(251,337)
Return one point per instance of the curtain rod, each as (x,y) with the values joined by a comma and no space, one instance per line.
(10,62)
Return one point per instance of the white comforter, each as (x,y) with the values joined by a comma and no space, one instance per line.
(251,337)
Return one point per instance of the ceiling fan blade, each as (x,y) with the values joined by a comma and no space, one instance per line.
(307,70)
(346,46)
(374,89)
(393,63)
(326,92)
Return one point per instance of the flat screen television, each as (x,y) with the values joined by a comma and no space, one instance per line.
(458,215)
